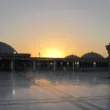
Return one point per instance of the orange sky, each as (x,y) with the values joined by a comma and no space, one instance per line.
(55,28)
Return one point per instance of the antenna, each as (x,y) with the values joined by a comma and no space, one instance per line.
(39,54)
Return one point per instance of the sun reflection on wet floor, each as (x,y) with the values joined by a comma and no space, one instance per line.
(43,81)
(54,88)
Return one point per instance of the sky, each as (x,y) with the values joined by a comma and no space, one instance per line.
(55,28)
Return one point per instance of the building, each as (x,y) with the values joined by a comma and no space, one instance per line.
(11,60)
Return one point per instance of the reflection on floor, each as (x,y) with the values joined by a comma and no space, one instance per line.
(48,90)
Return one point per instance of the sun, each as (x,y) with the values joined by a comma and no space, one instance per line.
(53,53)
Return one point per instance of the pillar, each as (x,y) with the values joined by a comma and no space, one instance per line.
(67,64)
(34,65)
(48,64)
(73,66)
(12,65)
(54,65)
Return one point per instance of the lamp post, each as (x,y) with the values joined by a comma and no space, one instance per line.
(94,64)
(77,64)
(14,60)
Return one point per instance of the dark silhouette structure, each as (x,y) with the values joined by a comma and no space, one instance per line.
(108,49)
(92,55)
(6,49)
(11,60)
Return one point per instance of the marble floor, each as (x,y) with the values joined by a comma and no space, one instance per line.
(49,90)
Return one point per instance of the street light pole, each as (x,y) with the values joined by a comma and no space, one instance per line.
(14,61)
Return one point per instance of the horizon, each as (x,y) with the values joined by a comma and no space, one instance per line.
(56,28)
(52,55)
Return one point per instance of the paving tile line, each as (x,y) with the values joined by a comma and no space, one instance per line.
(63,99)
(64,93)
(82,107)
(52,89)
(31,102)
(39,84)
(68,95)
(80,99)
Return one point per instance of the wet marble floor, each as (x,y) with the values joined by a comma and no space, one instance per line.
(49,90)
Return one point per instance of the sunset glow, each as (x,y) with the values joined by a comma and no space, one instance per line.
(53,53)
(56,28)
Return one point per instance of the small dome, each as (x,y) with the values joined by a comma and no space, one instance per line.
(72,57)
(6,49)
(92,55)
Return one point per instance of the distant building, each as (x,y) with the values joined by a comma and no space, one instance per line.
(6,51)
(11,60)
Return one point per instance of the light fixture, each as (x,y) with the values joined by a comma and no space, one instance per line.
(94,63)
(14,52)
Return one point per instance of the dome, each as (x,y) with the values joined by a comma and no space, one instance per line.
(6,49)
(72,57)
(92,55)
